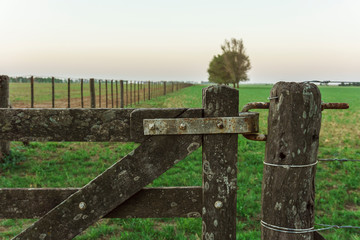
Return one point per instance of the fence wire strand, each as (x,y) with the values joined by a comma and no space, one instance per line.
(339,160)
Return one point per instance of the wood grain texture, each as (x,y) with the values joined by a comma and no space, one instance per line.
(288,193)
(4,103)
(219,167)
(92,93)
(113,187)
(168,202)
(92,125)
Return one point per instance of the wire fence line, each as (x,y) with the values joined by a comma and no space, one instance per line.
(339,160)
(94,93)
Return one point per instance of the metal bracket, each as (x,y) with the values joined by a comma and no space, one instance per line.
(245,123)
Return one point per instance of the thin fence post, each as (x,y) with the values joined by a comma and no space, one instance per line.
(219,167)
(134,93)
(106,92)
(112,93)
(53,91)
(99,93)
(130,91)
(4,103)
(32,91)
(82,92)
(68,92)
(92,93)
(121,94)
(138,89)
(127,93)
(117,94)
(164,88)
(288,190)
(144,88)
(172,87)
(149,90)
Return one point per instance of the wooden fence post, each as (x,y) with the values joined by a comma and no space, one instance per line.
(134,93)
(4,103)
(288,191)
(144,88)
(99,93)
(127,93)
(112,93)
(219,167)
(92,93)
(149,90)
(32,91)
(82,92)
(106,92)
(117,94)
(53,91)
(138,95)
(69,81)
(130,93)
(121,94)
(164,88)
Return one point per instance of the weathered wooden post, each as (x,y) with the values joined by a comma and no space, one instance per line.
(99,93)
(121,94)
(127,93)
(219,167)
(134,93)
(82,92)
(130,94)
(53,91)
(117,94)
(149,90)
(144,88)
(106,93)
(69,81)
(112,93)
(288,190)
(4,103)
(92,93)
(138,89)
(164,88)
(32,91)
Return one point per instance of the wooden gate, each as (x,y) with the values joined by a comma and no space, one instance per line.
(119,192)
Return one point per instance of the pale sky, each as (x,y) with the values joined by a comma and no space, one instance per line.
(292,40)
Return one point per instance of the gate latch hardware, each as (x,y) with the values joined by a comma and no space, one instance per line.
(246,123)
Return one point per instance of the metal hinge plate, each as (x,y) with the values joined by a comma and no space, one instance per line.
(245,123)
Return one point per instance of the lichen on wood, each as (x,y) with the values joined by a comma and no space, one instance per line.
(288,193)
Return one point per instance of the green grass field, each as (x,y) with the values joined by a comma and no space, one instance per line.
(74,164)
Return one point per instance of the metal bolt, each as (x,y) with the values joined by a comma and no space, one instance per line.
(152,126)
(218,204)
(82,206)
(220,125)
(182,126)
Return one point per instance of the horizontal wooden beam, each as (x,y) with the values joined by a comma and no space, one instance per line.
(92,125)
(79,125)
(169,202)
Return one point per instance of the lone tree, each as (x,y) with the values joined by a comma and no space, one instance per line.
(231,66)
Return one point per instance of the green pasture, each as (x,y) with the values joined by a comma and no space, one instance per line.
(75,164)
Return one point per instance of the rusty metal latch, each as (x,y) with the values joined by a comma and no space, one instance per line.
(245,123)
(266,105)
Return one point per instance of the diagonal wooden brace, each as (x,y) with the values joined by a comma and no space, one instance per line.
(111,188)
